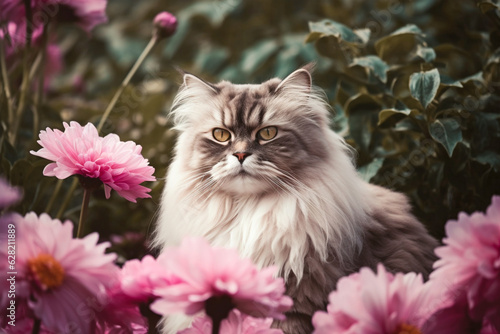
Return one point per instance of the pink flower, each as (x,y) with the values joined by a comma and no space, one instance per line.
(380,303)
(139,279)
(85,13)
(470,262)
(236,323)
(202,274)
(8,195)
(81,151)
(165,24)
(64,280)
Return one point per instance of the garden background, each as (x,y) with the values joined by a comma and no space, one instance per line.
(414,88)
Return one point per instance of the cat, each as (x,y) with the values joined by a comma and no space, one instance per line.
(256,167)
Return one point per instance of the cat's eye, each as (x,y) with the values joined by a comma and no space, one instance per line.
(267,133)
(221,135)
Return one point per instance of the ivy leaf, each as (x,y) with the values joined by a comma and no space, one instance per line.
(424,86)
(375,64)
(447,132)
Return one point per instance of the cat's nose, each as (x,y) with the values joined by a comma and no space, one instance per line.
(242,156)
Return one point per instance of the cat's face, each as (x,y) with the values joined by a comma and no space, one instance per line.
(250,138)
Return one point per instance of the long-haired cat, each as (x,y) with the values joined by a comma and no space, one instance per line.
(257,168)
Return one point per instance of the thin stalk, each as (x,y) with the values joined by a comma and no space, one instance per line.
(125,82)
(25,82)
(54,195)
(5,82)
(83,212)
(216,326)
(67,199)
(41,81)
(37,323)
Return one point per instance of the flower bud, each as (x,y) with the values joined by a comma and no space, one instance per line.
(165,25)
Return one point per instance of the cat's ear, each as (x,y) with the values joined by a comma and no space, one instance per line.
(193,82)
(300,80)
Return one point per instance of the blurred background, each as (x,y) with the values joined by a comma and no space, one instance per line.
(439,144)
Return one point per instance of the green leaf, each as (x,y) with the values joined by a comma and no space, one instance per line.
(375,64)
(489,158)
(424,86)
(385,114)
(257,54)
(370,170)
(331,28)
(408,29)
(360,102)
(447,132)
(426,53)
(399,44)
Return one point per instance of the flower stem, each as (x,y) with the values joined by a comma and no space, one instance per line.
(152,317)
(125,82)
(218,308)
(41,81)
(37,323)
(83,212)
(5,82)
(25,81)
(54,195)
(67,199)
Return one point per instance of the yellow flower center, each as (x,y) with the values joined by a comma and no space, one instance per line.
(48,271)
(407,329)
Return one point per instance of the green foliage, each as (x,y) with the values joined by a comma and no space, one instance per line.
(414,86)
(422,109)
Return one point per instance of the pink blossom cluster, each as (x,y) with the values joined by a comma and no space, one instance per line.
(69,285)
(461,297)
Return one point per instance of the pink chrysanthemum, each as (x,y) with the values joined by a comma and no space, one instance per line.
(64,279)
(201,273)
(470,262)
(81,151)
(236,323)
(85,13)
(138,279)
(8,195)
(380,303)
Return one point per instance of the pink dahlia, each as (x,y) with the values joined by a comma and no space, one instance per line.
(139,279)
(204,278)
(165,24)
(85,13)
(470,262)
(81,151)
(236,323)
(63,279)
(8,195)
(376,303)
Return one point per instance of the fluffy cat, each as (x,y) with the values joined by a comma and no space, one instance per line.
(257,168)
